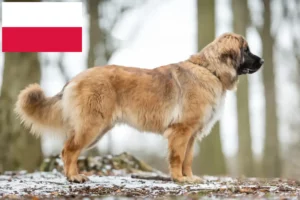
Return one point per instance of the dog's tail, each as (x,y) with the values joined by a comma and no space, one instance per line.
(38,112)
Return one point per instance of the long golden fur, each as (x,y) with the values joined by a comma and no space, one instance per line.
(180,101)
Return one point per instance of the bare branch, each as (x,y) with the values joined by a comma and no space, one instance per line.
(61,67)
(153,177)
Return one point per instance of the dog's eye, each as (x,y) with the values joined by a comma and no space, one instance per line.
(246,49)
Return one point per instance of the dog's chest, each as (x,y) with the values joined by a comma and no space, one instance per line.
(212,115)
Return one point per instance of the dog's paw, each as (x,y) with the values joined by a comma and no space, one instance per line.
(188,179)
(182,179)
(195,179)
(79,178)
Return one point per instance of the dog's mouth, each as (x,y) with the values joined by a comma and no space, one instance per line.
(257,66)
(252,69)
(249,71)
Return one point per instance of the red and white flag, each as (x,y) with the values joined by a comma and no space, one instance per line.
(42,26)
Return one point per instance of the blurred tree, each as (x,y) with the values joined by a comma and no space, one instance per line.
(245,157)
(211,155)
(97,53)
(271,155)
(104,15)
(291,16)
(18,148)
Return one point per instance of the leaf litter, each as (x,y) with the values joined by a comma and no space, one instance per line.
(125,177)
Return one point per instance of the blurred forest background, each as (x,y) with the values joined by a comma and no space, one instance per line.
(259,133)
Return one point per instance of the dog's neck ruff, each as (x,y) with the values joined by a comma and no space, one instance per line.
(203,66)
(215,74)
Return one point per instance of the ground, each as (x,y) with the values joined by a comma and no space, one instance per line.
(139,181)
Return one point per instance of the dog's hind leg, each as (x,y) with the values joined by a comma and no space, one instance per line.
(89,106)
(70,155)
(72,148)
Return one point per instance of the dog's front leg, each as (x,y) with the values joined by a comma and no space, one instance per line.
(188,160)
(178,138)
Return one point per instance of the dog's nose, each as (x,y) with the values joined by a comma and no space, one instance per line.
(261,61)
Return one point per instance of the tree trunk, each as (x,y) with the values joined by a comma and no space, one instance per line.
(97,48)
(271,157)
(19,149)
(211,158)
(245,155)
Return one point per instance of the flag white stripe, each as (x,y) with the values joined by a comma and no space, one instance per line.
(42,14)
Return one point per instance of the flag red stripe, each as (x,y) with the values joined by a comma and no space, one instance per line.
(41,39)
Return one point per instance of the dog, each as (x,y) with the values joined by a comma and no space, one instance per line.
(181,101)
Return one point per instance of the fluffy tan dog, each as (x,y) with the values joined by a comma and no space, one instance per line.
(181,101)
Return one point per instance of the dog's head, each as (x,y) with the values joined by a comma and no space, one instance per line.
(234,49)
(227,57)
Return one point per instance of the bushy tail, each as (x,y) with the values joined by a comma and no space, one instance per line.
(38,112)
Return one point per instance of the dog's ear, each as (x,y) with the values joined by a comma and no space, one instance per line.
(232,50)
(233,56)
(243,44)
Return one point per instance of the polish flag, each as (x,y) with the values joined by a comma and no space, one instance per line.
(42,26)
